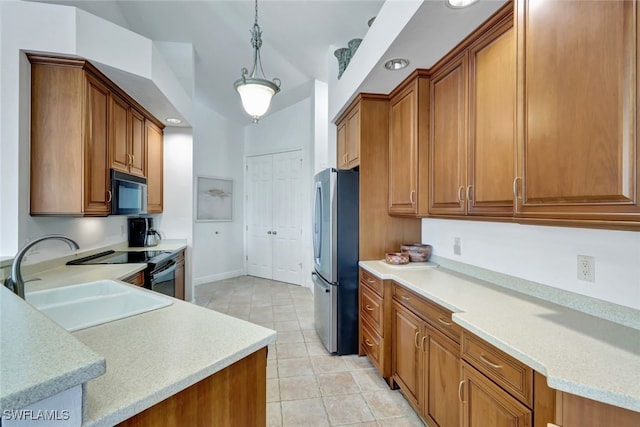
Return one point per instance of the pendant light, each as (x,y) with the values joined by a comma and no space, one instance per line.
(256,92)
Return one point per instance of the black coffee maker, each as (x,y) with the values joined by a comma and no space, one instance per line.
(139,229)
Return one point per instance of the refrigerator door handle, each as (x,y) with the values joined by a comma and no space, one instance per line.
(317,223)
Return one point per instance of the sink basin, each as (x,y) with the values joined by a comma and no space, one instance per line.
(81,306)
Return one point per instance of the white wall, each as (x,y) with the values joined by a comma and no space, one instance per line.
(176,221)
(290,129)
(546,255)
(218,145)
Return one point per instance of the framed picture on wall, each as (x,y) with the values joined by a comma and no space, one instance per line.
(214,199)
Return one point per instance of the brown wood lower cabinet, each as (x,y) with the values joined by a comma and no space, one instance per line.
(135,279)
(425,362)
(235,396)
(486,404)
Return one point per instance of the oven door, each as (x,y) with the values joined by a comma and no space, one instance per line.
(163,280)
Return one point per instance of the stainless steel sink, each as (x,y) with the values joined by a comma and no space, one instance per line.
(84,305)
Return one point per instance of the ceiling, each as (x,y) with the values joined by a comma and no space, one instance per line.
(298,36)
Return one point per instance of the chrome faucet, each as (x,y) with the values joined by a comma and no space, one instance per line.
(14,280)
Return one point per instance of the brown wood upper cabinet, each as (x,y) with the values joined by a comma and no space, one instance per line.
(577,122)
(82,124)
(155,158)
(472,117)
(349,128)
(126,138)
(69,147)
(408,138)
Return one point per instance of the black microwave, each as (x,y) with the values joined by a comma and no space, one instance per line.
(128,194)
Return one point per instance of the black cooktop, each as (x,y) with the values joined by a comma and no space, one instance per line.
(123,257)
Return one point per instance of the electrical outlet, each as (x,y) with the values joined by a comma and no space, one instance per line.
(586,268)
(457,246)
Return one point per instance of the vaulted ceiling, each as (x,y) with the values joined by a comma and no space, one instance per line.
(298,39)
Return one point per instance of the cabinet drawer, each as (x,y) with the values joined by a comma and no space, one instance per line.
(372,345)
(503,369)
(371,281)
(437,316)
(371,308)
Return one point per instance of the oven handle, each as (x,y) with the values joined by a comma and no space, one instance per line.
(168,268)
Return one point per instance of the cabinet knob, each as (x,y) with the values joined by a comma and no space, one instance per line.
(269,232)
(274,232)
(515,187)
(460,194)
(460,392)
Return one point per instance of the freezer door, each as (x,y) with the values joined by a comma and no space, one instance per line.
(324,226)
(325,302)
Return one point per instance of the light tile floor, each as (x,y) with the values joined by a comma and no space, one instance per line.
(305,385)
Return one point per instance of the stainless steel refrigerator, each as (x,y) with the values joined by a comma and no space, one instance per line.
(335,248)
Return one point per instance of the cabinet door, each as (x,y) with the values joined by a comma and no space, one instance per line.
(448,138)
(407,356)
(96,189)
(137,143)
(403,152)
(577,121)
(153,137)
(578,411)
(442,379)
(353,139)
(341,151)
(492,92)
(119,134)
(485,404)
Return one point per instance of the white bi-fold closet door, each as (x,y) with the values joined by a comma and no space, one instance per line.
(274,216)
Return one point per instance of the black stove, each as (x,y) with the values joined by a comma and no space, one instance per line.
(124,257)
(159,275)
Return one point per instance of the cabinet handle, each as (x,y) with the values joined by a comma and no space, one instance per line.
(368,307)
(405,298)
(415,339)
(133,159)
(368,343)
(469,187)
(422,343)
(370,280)
(109,196)
(412,198)
(488,362)
(461,194)
(515,187)
(460,392)
(444,322)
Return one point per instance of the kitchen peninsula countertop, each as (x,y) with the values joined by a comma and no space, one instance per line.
(578,353)
(148,357)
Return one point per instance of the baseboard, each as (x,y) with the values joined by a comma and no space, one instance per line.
(217,277)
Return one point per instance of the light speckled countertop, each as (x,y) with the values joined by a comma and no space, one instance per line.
(577,352)
(149,357)
(37,357)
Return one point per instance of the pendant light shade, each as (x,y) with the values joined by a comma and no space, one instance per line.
(256,92)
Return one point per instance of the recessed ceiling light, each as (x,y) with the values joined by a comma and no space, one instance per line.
(173,121)
(396,64)
(459,4)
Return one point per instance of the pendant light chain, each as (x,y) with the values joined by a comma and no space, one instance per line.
(256,91)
